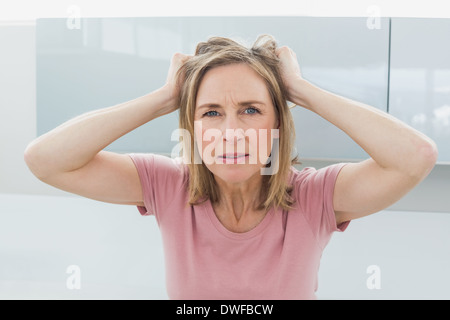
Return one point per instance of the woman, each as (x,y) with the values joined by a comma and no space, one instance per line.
(241,222)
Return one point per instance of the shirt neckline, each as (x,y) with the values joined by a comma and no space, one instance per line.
(259,228)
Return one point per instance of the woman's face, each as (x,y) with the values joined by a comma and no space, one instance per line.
(234,116)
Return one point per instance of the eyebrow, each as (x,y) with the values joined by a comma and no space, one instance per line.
(242,104)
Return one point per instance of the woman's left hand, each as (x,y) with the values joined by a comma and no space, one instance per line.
(290,69)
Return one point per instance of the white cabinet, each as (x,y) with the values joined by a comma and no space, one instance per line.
(420,78)
(401,66)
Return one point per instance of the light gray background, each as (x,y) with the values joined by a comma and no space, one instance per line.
(420,78)
(44,230)
(112,60)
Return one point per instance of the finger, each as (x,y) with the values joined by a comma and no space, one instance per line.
(187,57)
(281,50)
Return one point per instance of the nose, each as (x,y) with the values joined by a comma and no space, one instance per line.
(232,132)
(233,135)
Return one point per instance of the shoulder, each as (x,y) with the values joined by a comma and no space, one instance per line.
(313,191)
(314,186)
(163,182)
(312,175)
(160,167)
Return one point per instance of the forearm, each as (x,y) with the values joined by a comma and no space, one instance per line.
(390,143)
(75,142)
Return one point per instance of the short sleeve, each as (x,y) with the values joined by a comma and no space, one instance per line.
(315,189)
(161,178)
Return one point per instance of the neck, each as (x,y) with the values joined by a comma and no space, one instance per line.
(239,199)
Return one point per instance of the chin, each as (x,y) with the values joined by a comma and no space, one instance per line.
(234,173)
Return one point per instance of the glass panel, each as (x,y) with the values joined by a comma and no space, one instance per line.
(112,60)
(420,78)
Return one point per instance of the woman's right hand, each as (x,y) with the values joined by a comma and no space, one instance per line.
(173,83)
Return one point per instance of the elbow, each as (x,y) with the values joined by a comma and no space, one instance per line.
(31,158)
(430,153)
(427,155)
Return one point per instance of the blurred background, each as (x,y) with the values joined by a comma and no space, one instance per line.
(59,59)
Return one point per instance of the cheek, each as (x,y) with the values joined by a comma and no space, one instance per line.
(266,133)
(207,140)
(207,137)
(264,144)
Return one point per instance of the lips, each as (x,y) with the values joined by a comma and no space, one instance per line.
(233,157)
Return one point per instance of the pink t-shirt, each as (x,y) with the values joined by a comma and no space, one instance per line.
(278,259)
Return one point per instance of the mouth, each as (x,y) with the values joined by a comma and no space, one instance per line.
(233,157)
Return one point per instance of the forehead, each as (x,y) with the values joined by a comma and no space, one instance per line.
(234,81)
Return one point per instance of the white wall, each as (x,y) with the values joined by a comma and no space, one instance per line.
(119,253)
(410,250)
(22,10)
(17,106)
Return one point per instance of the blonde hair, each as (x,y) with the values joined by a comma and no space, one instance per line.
(261,57)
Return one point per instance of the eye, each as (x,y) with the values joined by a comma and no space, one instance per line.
(211,113)
(251,110)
